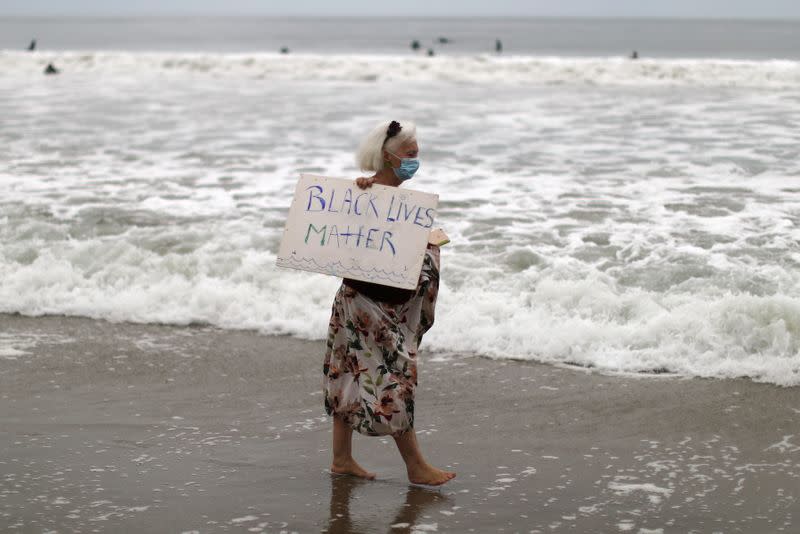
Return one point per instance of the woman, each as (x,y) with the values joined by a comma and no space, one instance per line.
(370,370)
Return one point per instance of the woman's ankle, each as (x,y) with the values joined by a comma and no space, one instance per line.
(342,460)
(416,464)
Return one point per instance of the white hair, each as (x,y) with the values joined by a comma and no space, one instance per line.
(369,156)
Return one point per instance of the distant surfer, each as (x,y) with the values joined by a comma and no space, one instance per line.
(498,46)
(32,46)
(50,69)
(284,50)
(634,55)
(430,52)
(443,40)
(415,45)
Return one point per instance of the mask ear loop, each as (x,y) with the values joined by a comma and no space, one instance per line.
(387,160)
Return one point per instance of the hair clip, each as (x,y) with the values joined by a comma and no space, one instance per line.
(394,129)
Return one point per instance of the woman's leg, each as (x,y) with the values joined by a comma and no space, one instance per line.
(419,471)
(343,462)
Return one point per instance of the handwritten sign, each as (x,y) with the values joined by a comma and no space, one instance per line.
(376,235)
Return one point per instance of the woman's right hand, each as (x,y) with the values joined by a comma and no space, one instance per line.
(364,183)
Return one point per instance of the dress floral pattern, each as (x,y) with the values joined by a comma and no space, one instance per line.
(370,369)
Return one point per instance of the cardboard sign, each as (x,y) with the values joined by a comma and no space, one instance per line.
(378,234)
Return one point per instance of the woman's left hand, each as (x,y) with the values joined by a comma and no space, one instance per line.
(364,183)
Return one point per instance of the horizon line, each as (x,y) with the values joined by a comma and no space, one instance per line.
(734,18)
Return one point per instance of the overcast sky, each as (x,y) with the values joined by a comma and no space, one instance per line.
(408,8)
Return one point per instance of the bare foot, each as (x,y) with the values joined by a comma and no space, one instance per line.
(351,467)
(427,474)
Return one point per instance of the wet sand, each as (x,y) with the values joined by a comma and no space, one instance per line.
(121,427)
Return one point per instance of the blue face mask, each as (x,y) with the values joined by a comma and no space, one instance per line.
(407,168)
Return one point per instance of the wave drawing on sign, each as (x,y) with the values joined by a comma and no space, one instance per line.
(337,267)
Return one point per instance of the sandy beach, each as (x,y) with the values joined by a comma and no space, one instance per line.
(122,427)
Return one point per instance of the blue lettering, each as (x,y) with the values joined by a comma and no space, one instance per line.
(406,212)
(330,202)
(416,217)
(355,206)
(372,205)
(351,233)
(386,240)
(311,195)
(389,213)
(348,199)
(347,235)
(430,217)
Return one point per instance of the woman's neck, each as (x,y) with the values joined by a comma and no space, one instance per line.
(386,176)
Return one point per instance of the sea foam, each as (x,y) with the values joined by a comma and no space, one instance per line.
(629,219)
(488,69)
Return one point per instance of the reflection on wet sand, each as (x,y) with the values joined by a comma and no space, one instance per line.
(417,500)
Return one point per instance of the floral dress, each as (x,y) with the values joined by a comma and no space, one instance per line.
(370,370)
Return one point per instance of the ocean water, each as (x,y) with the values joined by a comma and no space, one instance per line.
(661,38)
(627,216)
